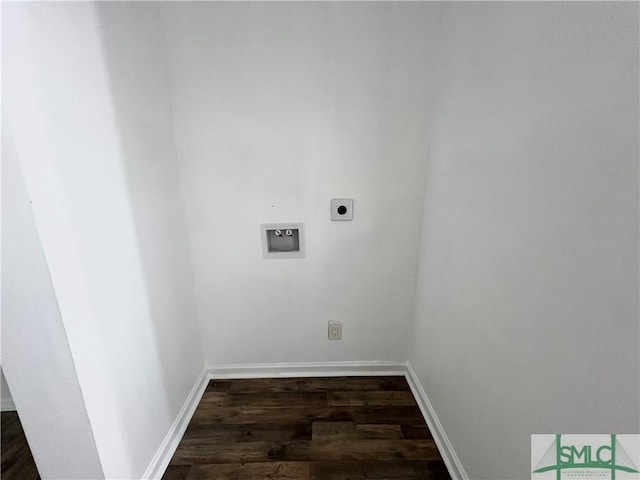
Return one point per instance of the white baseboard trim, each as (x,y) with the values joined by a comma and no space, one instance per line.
(167,448)
(315,369)
(7,405)
(449,455)
(312,369)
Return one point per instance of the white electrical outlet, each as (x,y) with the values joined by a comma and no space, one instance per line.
(335,330)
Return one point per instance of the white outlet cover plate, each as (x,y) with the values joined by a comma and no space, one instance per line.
(335,331)
(347,203)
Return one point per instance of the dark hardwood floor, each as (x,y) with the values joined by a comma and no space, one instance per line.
(345,428)
(17,462)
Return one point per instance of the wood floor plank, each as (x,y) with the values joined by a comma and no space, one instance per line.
(177,472)
(347,428)
(244,471)
(219,385)
(236,433)
(214,398)
(370,432)
(333,430)
(350,430)
(248,452)
(317,384)
(17,462)
(271,415)
(277,399)
(369,450)
(321,450)
(374,470)
(367,398)
(416,431)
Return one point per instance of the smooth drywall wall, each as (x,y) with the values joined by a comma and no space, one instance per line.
(6,400)
(133,42)
(35,353)
(280,107)
(92,130)
(527,299)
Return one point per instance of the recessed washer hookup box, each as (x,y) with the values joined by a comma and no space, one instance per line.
(282,240)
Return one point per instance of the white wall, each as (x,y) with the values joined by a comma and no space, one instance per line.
(280,107)
(6,400)
(134,47)
(35,353)
(528,266)
(527,300)
(92,128)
